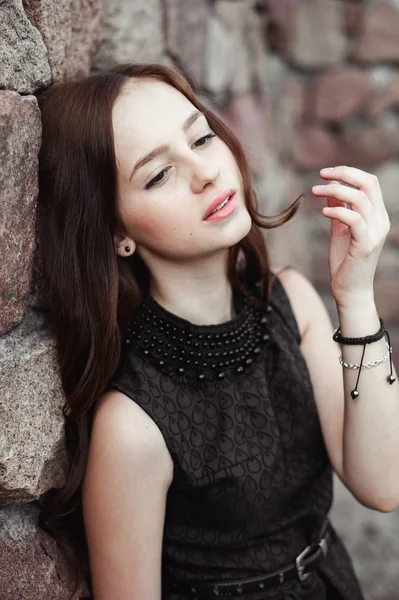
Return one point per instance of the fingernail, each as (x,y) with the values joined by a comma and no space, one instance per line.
(327,170)
(318,188)
(327,209)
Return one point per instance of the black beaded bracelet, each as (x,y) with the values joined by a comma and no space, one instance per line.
(367,339)
(362,341)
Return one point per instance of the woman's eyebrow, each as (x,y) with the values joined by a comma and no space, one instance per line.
(164,147)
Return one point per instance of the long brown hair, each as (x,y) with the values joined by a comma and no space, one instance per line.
(92,293)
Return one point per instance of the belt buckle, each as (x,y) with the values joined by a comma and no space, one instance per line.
(300,568)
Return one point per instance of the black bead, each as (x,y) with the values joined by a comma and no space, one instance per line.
(265,337)
(146,352)
(201,376)
(391,379)
(221,375)
(240,369)
(248,361)
(269,309)
(354,394)
(263,320)
(161,363)
(256,350)
(181,371)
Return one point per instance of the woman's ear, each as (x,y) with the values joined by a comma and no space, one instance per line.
(124,246)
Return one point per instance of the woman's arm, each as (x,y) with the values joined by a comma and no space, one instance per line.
(362,436)
(128,474)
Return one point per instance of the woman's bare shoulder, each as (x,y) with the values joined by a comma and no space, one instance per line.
(122,427)
(301,293)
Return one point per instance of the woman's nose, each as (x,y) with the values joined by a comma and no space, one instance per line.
(203,173)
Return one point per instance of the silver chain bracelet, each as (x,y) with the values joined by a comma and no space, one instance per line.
(368,365)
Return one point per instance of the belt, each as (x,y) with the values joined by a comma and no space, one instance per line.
(300,570)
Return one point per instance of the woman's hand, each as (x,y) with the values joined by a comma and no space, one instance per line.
(357,232)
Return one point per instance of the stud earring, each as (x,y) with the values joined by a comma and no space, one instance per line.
(127,249)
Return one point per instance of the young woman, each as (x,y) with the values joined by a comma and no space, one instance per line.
(206,403)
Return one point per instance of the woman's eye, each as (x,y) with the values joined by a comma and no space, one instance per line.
(161,175)
(204,140)
(157,179)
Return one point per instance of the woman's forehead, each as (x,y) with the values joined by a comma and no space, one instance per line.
(144,105)
(147,114)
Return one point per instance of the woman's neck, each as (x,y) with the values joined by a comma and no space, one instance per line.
(198,305)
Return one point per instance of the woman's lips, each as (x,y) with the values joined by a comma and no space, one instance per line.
(225,211)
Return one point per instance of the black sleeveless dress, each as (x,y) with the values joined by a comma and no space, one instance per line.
(252,481)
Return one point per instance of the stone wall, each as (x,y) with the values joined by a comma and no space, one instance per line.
(305,84)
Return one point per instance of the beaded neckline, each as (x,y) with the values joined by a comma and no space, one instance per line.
(199,353)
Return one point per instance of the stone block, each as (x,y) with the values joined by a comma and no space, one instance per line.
(132,32)
(70,29)
(340,94)
(319,34)
(23,55)
(32,566)
(258,54)
(226,52)
(368,144)
(235,54)
(20,136)
(372,541)
(32,454)
(281,18)
(289,112)
(378,41)
(251,120)
(354,12)
(185,32)
(388,176)
(314,148)
(386,297)
(386,97)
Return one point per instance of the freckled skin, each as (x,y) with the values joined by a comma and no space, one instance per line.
(165,222)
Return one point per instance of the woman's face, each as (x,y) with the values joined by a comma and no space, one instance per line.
(164,199)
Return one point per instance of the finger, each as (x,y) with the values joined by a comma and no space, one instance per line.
(366,182)
(357,199)
(355,222)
